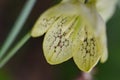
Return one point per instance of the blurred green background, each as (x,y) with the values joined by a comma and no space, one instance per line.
(29,62)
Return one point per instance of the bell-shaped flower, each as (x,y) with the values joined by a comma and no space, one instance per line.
(73,29)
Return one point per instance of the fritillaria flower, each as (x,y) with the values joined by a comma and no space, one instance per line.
(73,29)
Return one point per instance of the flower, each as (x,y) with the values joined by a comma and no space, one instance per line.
(74,29)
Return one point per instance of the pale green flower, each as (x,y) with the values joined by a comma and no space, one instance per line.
(73,29)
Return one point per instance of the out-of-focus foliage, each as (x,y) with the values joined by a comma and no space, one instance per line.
(4,75)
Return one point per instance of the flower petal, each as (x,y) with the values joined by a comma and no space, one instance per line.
(101,32)
(106,10)
(58,41)
(48,18)
(88,53)
(44,23)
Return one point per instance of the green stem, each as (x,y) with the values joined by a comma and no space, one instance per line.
(15,49)
(17,26)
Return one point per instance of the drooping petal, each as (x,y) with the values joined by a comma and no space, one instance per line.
(106,8)
(48,18)
(101,32)
(89,52)
(44,22)
(89,45)
(58,41)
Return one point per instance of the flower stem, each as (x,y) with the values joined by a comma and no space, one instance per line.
(15,49)
(17,26)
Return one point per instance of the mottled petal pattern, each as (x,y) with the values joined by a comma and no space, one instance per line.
(89,51)
(58,40)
